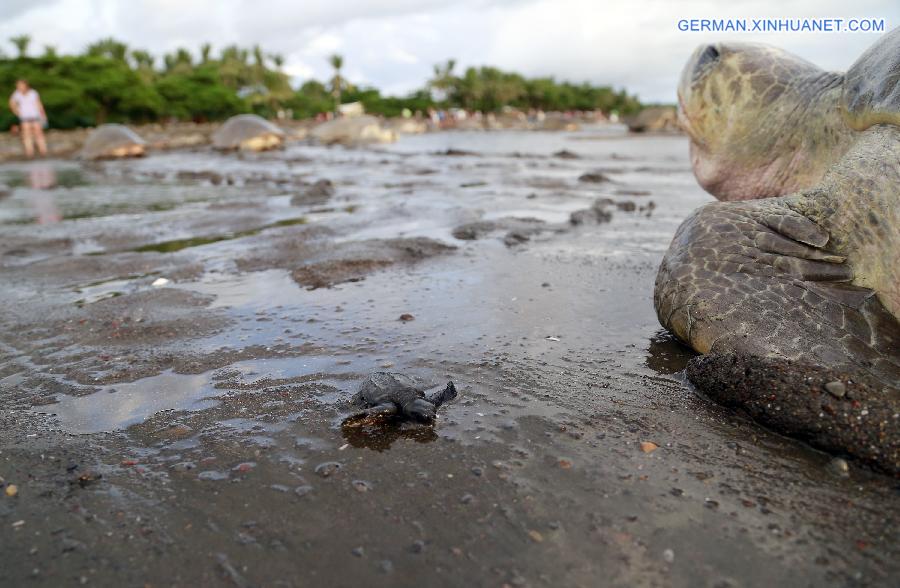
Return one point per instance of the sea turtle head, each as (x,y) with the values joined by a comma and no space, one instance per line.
(762,122)
(420,410)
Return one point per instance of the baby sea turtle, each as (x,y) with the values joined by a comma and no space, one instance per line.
(386,393)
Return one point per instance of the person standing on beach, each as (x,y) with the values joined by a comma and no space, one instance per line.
(27,106)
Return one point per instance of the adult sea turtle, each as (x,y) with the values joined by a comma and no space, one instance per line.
(247,132)
(353,130)
(112,141)
(793,291)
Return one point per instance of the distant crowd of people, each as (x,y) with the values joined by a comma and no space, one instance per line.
(453,117)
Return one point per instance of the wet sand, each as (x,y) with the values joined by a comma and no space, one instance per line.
(189,432)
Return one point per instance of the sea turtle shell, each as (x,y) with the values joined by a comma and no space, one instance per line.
(112,141)
(871,92)
(247,132)
(384,387)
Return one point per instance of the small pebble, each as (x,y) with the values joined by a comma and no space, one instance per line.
(329,468)
(668,556)
(178,431)
(477,471)
(839,467)
(12,490)
(836,389)
(358,551)
(387,566)
(466,498)
(406,317)
(212,476)
(361,485)
(418,546)
(303,490)
(536,536)
(648,446)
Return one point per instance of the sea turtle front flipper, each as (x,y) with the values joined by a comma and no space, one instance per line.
(380,410)
(731,282)
(442,395)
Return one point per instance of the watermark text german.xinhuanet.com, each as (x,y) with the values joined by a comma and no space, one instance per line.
(782,25)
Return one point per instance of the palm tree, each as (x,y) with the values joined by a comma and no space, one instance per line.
(277,60)
(230,53)
(182,55)
(108,48)
(231,66)
(144,64)
(205,50)
(21,42)
(443,81)
(142,58)
(50,51)
(337,62)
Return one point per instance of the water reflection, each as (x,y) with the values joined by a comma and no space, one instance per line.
(40,179)
(380,434)
(128,403)
(666,355)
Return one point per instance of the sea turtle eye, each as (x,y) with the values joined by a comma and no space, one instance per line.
(709,54)
(707,57)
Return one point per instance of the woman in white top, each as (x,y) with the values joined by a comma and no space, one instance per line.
(26,104)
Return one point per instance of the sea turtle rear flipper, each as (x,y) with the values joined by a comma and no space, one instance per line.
(821,405)
(441,395)
(380,410)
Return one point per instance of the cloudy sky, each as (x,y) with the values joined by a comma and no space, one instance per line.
(393,44)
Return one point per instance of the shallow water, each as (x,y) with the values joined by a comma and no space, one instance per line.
(231,377)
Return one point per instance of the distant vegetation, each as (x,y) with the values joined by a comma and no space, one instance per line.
(110,82)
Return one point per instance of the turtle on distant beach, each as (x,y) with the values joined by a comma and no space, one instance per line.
(112,141)
(247,132)
(391,394)
(353,131)
(803,272)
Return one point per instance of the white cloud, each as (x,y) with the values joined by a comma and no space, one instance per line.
(298,70)
(393,43)
(323,44)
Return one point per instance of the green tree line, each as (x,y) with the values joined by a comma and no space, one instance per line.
(111,82)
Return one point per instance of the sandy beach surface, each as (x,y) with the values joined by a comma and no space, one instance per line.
(177,353)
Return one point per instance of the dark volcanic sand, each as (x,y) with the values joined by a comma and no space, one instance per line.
(189,433)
